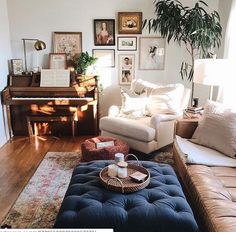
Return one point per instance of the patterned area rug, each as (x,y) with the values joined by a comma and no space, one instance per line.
(39,202)
(164,157)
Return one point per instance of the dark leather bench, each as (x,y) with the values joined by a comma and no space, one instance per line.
(161,207)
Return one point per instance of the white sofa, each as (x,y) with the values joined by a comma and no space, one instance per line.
(145,134)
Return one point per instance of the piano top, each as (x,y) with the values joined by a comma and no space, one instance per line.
(18,94)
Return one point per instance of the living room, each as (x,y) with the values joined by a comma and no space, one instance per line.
(38,151)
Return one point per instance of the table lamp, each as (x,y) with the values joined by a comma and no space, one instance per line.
(39,45)
(210,72)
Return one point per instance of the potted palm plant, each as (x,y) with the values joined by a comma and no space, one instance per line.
(198,30)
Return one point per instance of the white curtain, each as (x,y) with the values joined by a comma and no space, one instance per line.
(227,94)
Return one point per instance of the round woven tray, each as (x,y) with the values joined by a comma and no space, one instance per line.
(125,185)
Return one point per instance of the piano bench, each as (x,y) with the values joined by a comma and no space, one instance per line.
(49,118)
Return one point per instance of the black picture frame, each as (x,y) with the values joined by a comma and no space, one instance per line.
(104,32)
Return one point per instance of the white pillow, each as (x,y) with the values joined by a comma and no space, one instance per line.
(166,100)
(139,86)
(217,130)
(133,105)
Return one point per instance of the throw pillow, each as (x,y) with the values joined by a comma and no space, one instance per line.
(133,105)
(139,86)
(217,130)
(166,100)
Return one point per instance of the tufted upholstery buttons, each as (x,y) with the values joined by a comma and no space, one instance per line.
(161,207)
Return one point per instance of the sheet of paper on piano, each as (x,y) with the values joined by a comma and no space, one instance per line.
(55,78)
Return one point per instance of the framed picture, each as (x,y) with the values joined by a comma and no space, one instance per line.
(104,32)
(16,66)
(152,53)
(130,22)
(127,43)
(126,68)
(106,57)
(67,42)
(57,61)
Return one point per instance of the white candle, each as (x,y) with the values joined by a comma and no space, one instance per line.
(122,169)
(119,157)
(112,170)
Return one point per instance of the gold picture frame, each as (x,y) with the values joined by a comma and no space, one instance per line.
(67,42)
(130,22)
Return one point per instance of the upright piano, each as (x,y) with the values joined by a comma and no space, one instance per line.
(23,97)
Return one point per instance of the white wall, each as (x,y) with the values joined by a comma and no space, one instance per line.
(5,54)
(34,19)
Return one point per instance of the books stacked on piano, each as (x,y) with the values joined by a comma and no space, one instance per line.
(194,110)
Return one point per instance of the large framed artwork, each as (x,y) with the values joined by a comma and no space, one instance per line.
(104,32)
(67,42)
(130,22)
(126,68)
(106,57)
(152,53)
(128,43)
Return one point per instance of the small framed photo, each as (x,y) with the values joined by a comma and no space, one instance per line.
(126,68)
(130,22)
(57,61)
(67,42)
(16,66)
(152,53)
(126,43)
(104,32)
(106,57)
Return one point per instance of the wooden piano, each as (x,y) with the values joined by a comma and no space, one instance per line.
(23,98)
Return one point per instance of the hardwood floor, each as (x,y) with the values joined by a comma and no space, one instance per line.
(19,160)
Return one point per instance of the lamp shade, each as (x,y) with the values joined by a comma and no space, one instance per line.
(210,71)
(39,45)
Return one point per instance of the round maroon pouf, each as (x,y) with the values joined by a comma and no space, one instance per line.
(91,152)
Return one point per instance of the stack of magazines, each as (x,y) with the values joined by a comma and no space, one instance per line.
(194,110)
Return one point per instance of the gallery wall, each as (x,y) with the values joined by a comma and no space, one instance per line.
(29,19)
(5,55)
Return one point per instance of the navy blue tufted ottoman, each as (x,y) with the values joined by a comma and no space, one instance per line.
(161,207)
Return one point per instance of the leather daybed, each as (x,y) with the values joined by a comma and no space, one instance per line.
(160,207)
(212,190)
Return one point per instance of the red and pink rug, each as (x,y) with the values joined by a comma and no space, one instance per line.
(39,202)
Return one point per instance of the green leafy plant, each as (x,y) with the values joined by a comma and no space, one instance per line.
(197,29)
(82,62)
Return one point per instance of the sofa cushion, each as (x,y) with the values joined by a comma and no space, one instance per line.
(166,100)
(128,127)
(217,129)
(212,191)
(139,86)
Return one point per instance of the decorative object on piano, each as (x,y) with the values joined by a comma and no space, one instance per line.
(130,22)
(57,61)
(67,42)
(104,32)
(126,68)
(16,66)
(127,43)
(38,45)
(82,62)
(106,57)
(151,53)
(55,78)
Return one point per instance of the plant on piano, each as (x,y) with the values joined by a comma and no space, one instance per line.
(82,62)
